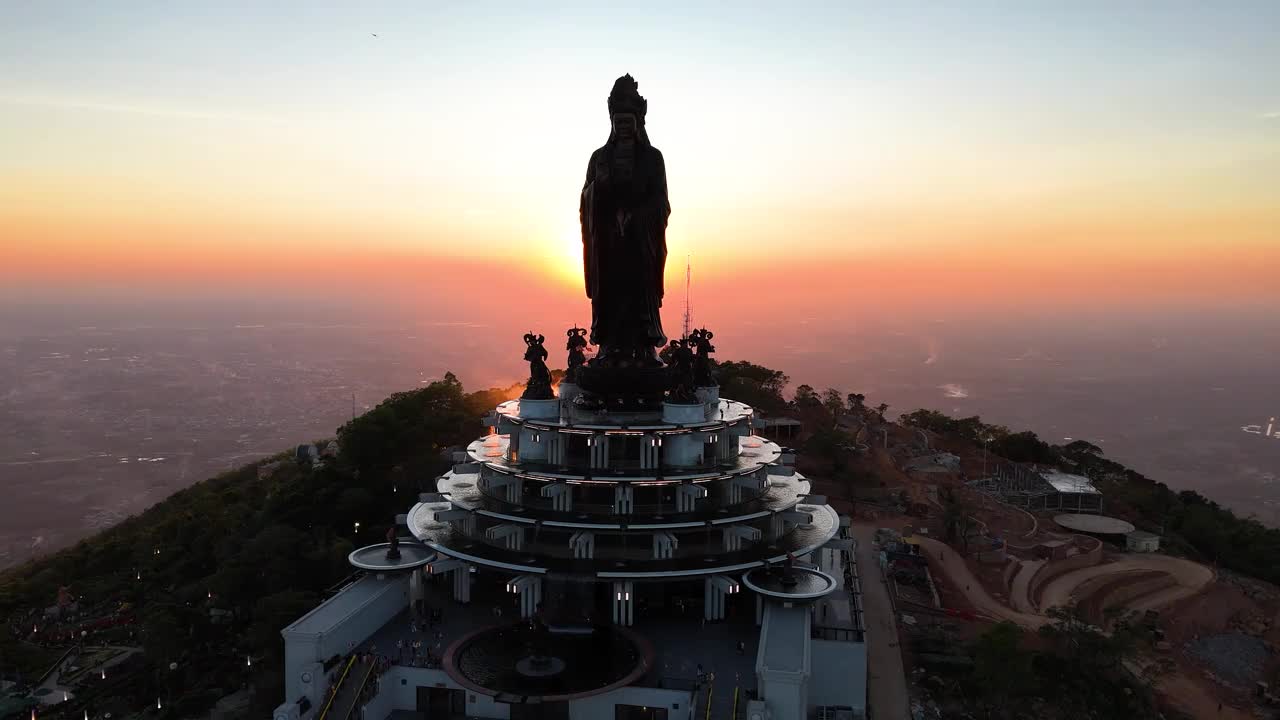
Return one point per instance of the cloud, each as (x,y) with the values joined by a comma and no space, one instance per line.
(1271,115)
(132,109)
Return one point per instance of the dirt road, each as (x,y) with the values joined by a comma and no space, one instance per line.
(1191,577)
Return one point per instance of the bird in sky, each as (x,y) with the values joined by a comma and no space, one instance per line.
(374,34)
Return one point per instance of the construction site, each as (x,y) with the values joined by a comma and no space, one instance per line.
(1034,539)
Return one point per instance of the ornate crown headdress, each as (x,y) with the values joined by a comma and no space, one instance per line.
(625,98)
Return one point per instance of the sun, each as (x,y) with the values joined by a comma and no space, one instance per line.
(564,256)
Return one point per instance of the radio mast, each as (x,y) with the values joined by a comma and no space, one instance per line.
(688,272)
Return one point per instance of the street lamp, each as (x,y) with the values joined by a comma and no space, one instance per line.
(357,527)
(985,440)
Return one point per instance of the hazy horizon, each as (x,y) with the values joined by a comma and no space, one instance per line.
(112,406)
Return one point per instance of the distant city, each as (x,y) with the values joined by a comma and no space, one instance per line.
(101,417)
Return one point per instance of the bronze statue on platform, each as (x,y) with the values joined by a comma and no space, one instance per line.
(623,210)
(393,552)
(680,365)
(577,358)
(701,341)
(539,385)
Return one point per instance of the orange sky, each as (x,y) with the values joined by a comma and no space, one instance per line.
(1022,155)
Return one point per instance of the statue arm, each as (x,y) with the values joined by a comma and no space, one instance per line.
(662,211)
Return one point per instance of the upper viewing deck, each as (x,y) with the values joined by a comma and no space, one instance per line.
(716,415)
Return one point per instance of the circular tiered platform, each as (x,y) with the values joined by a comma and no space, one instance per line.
(373,558)
(794,584)
(687,490)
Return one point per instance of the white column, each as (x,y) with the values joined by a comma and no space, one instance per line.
(598,450)
(510,534)
(529,588)
(583,544)
(561,495)
(734,535)
(623,500)
(513,447)
(664,545)
(727,444)
(415,587)
(715,589)
(462,584)
(650,452)
(687,497)
(555,447)
(512,487)
(623,603)
(533,444)
(739,486)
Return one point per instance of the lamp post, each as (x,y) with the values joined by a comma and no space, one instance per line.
(168,689)
(985,440)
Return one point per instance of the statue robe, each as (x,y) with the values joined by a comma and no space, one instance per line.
(624,268)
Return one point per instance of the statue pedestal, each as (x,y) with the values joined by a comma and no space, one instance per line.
(681,414)
(709,395)
(540,409)
(569,391)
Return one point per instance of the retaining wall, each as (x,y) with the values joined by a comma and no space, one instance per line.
(1090,556)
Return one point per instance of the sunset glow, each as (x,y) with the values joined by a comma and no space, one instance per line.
(1122,156)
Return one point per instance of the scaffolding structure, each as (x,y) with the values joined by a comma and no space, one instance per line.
(1032,488)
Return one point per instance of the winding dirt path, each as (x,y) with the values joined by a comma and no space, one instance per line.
(959,574)
(1191,577)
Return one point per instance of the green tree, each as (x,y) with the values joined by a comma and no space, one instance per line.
(834,406)
(1002,670)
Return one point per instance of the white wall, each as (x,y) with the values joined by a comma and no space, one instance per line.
(399,691)
(404,696)
(601,706)
(839,674)
(345,632)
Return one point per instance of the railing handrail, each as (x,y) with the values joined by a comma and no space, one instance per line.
(337,688)
(360,690)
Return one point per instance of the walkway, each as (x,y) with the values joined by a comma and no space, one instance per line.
(887,697)
(348,692)
(1020,588)
(962,578)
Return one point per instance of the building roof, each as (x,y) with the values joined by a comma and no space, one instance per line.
(347,602)
(784,639)
(1068,483)
(1096,524)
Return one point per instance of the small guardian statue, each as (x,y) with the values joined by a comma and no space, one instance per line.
(577,357)
(701,341)
(680,365)
(393,551)
(539,385)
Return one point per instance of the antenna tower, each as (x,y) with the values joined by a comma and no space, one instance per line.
(688,308)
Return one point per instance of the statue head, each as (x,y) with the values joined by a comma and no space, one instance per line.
(534,351)
(624,126)
(627,110)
